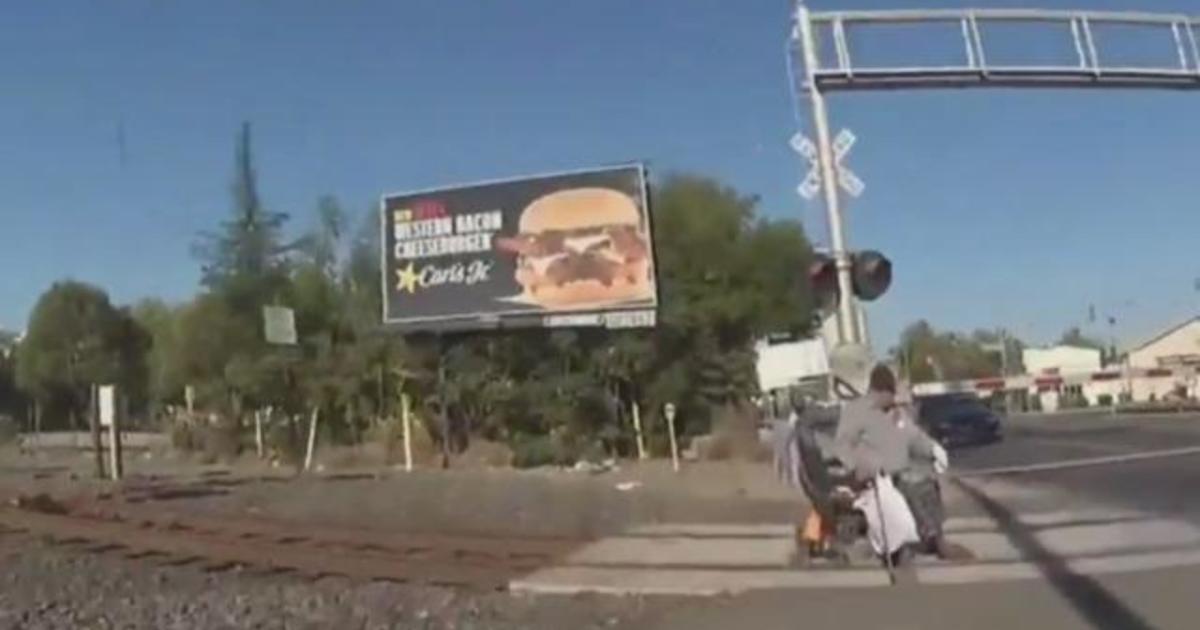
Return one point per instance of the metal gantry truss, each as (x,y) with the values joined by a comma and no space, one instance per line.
(974,66)
(1094,37)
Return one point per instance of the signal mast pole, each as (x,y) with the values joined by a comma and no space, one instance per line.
(848,324)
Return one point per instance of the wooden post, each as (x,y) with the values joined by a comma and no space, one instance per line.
(443,411)
(312,438)
(637,429)
(37,422)
(406,426)
(258,432)
(189,398)
(94,420)
(114,414)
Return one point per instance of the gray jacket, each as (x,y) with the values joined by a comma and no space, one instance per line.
(871,440)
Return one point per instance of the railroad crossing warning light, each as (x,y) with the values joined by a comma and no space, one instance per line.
(822,277)
(871,273)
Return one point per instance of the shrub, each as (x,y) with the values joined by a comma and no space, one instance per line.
(9,430)
(389,435)
(219,440)
(530,451)
(283,442)
(184,437)
(482,452)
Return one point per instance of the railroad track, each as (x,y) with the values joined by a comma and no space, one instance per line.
(273,546)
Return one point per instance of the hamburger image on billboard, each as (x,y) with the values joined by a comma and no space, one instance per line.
(581,247)
(569,248)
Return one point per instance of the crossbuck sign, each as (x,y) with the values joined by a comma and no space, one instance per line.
(847,180)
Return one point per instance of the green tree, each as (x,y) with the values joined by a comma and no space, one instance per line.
(210,337)
(1001,343)
(161,321)
(245,266)
(245,261)
(571,390)
(928,355)
(76,339)
(12,401)
(749,282)
(1075,337)
(575,389)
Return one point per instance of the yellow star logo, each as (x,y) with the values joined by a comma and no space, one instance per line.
(407,279)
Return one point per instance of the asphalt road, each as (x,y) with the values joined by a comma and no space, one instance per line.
(1163,598)
(1165,485)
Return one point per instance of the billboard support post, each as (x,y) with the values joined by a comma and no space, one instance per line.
(443,412)
(94,418)
(637,430)
(258,432)
(406,427)
(109,411)
(312,438)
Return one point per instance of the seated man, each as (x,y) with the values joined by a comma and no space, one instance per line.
(874,437)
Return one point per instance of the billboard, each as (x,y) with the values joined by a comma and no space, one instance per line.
(559,250)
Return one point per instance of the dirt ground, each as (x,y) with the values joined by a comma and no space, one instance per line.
(44,587)
(47,587)
(540,502)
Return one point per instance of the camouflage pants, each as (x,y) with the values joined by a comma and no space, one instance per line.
(924,498)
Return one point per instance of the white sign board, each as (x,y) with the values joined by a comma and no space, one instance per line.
(279,323)
(805,147)
(846,179)
(108,404)
(782,365)
(842,143)
(850,182)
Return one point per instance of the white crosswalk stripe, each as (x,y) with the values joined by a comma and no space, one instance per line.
(682,558)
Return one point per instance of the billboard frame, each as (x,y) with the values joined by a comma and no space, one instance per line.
(519,319)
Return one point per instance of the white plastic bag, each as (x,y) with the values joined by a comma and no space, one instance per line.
(941,460)
(891,513)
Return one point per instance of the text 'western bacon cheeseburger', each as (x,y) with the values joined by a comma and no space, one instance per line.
(582,246)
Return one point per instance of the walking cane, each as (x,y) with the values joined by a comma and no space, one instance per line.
(887,549)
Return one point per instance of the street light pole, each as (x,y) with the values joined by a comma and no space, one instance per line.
(848,329)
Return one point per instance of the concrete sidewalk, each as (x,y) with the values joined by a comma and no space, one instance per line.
(707,559)
(1155,600)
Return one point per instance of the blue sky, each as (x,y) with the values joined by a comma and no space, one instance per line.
(998,207)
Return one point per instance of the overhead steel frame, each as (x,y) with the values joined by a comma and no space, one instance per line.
(1089,68)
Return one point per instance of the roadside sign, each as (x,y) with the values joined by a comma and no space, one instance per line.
(108,404)
(810,187)
(279,325)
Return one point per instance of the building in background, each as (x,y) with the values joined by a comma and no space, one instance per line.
(1064,364)
(1178,346)
(1060,359)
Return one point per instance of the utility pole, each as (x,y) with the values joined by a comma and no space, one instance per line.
(848,325)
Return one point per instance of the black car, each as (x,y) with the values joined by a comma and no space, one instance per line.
(958,419)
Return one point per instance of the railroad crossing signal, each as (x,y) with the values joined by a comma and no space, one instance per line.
(841,145)
(870,274)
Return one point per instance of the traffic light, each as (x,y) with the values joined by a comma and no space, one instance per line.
(871,274)
(822,277)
